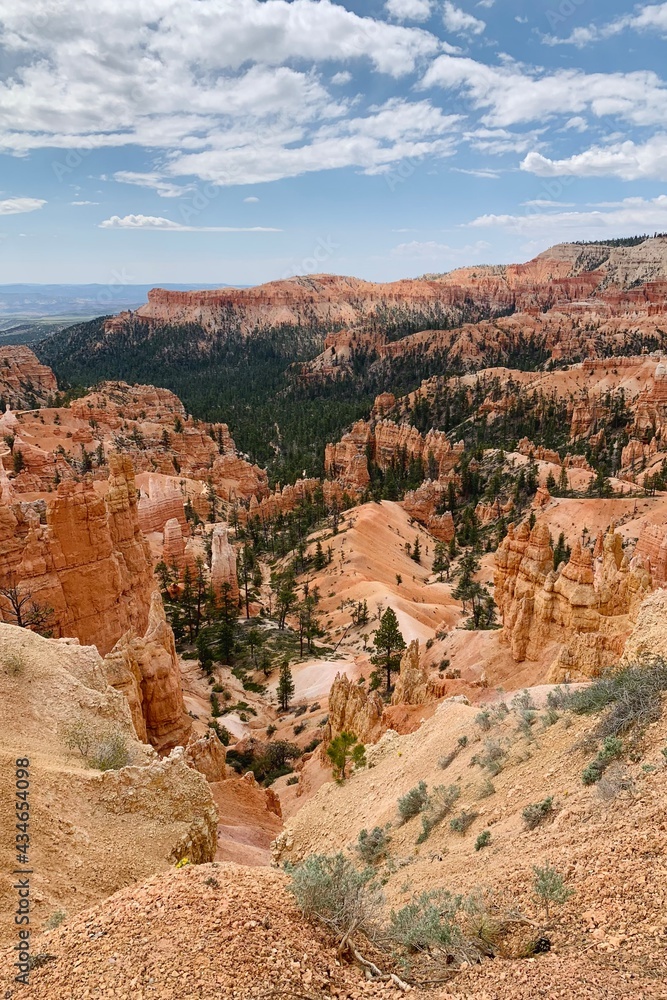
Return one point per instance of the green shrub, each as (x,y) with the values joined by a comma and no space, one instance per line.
(612,748)
(111,753)
(438,805)
(464,820)
(632,697)
(462,741)
(373,846)
(483,720)
(537,812)
(486,789)
(412,802)
(55,920)
(483,840)
(293,780)
(427,922)
(102,747)
(330,889)
(549,886)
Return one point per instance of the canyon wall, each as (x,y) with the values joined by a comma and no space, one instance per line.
(81,555)
(605,279)
(24,382)
(587,605)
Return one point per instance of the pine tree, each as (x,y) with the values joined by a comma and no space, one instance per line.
(285,686)
(416,551)
(343,750)
(320,558)
(389,642)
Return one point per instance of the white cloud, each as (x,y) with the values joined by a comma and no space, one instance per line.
(512,94)
(409,10)
(651,17)
(436,251)
(159,224)
(374,142)
(84,202)
(251,200)
(221,84)
(17,206)
(629,217)
(627,160)
(460,22)
(486,3)
(547,203)
(486,174)
(166,189)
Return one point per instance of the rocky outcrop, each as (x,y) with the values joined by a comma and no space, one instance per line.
(160,501)
(652,547)
(24,382)
(167,791)
(146,670)
(413,686)
(388,444)
(353,709)
(207,755)
(649,636)
(89,563)
(223,565)
(587,605)
(423,503)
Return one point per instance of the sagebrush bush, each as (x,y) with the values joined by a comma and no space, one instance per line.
(483,840)
(537,812)
(632,697)
(438,805)
(102,747)
(373,846)
(612,748)
(426,922)
(549,886)
(329,888)
(463,821)
(483,720)
(412,802)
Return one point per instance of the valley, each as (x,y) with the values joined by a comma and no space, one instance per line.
(327,576)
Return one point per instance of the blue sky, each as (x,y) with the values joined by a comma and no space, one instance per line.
(242,141)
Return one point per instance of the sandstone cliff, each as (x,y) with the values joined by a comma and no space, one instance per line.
(24,382)
(607,279)
(89,562)
(146,670)
(587,606)
(353,709)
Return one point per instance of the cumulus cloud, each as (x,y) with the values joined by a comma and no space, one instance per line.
(625,218)
(17,206)
(460,22)
(512,94)
(628,161)
(409,10)
(251,200)
(650,17)
(157,223)
(240,88)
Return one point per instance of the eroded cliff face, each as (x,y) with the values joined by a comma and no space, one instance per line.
(147,424)
(223,566)
(89,562)
(353,709)
(587,605)
(387,443)
(145,668)
(566,276)
(24,382)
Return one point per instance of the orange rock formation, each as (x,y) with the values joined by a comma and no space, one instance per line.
(587,606)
